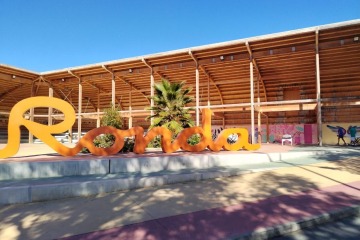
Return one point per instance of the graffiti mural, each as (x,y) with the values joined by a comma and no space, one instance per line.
(349,132)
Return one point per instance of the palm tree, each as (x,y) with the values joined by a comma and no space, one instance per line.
(169,106)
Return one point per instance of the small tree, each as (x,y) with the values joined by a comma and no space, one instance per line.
(110,118)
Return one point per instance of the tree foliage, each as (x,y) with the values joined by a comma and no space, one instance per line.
(170,100)
(110,118)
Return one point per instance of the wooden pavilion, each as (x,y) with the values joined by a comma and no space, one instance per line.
(307,76)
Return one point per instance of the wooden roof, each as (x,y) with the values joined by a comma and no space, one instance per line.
(284,69)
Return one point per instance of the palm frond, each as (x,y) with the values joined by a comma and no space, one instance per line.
(169,102)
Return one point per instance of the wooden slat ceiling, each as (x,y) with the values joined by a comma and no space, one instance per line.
(284,61)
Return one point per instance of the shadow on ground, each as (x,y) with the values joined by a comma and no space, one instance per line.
(215,209)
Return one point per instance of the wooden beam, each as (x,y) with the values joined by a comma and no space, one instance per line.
(91,103)
(120,103)
(17,79)
(2,95)
(289,107)
(252,101)
(197,96)
(130,108)
(62,95)
(113,85)
(152,94)
(133,87)
(202,68)
(50,112)
(95,86)
(152,90)
(204,84)
(219,114)
(340,103)
(161,75)
(257,69)
(197,89)
(79,102)
(79,109)
(318,97)
(32,111)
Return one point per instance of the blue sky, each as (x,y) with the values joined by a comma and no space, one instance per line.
(42,35)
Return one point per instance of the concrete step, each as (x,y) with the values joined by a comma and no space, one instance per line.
(86,164)
(24,182)
(34,190)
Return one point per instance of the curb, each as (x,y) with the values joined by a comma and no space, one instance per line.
(309,222)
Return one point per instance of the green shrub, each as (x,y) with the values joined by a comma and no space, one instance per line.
(194,139)
(128,145)
(111,118)
(155,142)
(84,150)
(104,140)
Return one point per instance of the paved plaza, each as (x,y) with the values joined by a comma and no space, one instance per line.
(265,200)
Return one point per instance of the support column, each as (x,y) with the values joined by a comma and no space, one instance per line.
(318,97)
(113,89)
(79,109)
(197,86)
(208,91)
(197,110)
(51,94)
(98,110)
(259,138)
(152,82)
(31,136)
(267,127)
(113,86)
(31,117)
(70,138)
(130,108)
(252,100)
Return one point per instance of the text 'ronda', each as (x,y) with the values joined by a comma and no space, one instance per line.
(43,132)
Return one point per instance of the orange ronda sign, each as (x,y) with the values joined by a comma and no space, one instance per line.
(44,132)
